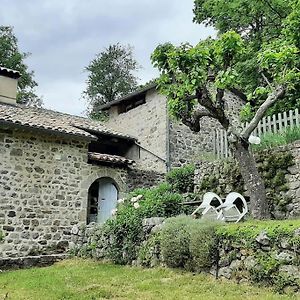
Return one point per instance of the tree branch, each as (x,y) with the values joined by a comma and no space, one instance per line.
(272,98)
(193,120)
(266,79)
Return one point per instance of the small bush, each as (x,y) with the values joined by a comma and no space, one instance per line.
(203,245)
(188,243)
(182,179)
(175,239)
(124,233)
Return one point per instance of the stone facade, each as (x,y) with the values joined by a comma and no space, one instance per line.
(187,146)
(143,179)
(44,182)
(148,123)
(164,137)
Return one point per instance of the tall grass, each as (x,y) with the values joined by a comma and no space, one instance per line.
(271,140)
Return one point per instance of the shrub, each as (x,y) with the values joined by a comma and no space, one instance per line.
(182,179)
(1,236)
(175,239)
(203,245)
(188,243)
(124,233)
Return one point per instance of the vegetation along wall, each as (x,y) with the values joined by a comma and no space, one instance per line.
(279,167)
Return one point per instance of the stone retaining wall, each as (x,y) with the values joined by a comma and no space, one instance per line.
(207,173)
(261,260)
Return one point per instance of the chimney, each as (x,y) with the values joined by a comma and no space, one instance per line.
(8,85)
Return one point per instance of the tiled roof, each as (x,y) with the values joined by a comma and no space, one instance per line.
(129,97)
(9,72)
(55,122)
(108,158)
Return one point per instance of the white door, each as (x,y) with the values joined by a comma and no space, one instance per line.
(107,201)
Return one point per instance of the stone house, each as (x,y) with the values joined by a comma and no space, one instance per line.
(57,171)
(144,114)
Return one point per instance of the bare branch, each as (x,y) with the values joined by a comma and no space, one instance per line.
(266,79)
(272,98)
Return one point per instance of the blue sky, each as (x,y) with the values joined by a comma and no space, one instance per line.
(64,36)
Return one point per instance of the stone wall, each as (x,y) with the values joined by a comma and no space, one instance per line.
(224,177)
(44,183)
(187,146)
(148,123)
(143,179)
(264,258)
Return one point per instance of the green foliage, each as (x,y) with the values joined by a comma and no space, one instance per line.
(269,26)
(12,58)
(124,234)
(266,266)
(188,243)
(273,166)
(111,76)
(149,252)
(1,236)
(175,239)
(182,179)
(271,140)
(243,16)
(249,230)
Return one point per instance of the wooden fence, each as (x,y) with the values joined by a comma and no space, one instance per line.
(274,124)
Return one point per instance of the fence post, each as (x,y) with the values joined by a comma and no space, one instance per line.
(279,122)
(285,120)
(291,119)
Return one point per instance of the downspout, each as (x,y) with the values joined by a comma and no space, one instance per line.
(168,156)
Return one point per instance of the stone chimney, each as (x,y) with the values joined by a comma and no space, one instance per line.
(8,85)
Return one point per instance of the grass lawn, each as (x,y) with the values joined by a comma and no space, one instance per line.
(86,279)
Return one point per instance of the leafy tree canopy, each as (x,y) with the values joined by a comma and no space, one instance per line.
(200,81)
(258,22)
(111,75)
(12,58)
(185,69)
(254,20)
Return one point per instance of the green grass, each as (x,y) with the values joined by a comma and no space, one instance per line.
(252,228)
(86,279)
(271,140)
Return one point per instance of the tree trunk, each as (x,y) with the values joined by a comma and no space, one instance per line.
(253,180)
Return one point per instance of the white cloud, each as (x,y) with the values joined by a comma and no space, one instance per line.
(63,36)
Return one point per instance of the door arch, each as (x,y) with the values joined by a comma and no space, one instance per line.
(102,199)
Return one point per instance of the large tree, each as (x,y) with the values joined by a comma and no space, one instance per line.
(258,22)
(111,75)
(11,57)
(200,81)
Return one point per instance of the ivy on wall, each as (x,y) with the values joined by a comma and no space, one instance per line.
(273,167)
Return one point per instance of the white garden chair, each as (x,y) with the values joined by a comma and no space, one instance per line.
(209,208)
(234,208)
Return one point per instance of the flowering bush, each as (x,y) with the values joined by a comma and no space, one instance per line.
(124,232)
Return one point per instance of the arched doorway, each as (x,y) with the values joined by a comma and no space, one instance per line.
(102,199)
